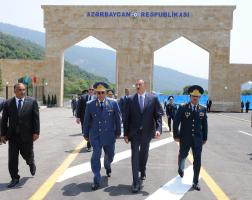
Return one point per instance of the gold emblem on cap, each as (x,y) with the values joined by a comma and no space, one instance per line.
(195,93)
(100,87)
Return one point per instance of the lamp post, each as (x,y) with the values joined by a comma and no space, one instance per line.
(7,89)
(224,95)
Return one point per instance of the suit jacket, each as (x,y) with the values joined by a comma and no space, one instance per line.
(171,110)
(122,105)
(192,125)
(149,121)
(103,125)
(81,106)
(24,123)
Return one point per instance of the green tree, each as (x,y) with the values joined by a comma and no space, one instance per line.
(44,100)
(48,101)
(185,90)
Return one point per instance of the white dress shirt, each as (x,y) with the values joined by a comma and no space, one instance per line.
(22,102)
(143,96)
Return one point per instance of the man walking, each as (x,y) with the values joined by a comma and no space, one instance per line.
(102,127)
(143,121)
(170,110)
(20,127)
(81,107)
(122,102)
(192,119)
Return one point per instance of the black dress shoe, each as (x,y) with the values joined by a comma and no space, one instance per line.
(108,172)
(95,186)
(196,186)
(135,188)
(32,169)
(143,176)
(89,149)
(13,183)
(181,173)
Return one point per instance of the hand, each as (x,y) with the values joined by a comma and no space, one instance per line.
(204,142)
(126,139)
(3,140)
(157,135)
(77,120)
(177,139)
(86,138)
(35,136)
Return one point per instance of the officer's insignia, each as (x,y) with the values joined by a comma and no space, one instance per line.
(201,114)
(187,114)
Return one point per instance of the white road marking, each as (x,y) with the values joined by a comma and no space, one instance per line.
(176,188)
(245,133)
(236,118)
(85,167)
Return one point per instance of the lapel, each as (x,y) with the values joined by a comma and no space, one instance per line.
(135,99)
(146,101)
(14,105)
(25,103)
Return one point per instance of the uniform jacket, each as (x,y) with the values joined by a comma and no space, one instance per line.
(192,124)
(104,125)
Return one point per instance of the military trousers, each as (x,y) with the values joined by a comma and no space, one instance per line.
(109,151)
(183,153)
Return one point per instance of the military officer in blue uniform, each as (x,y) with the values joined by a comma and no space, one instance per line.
(103,126)
(170,110)
(192,119)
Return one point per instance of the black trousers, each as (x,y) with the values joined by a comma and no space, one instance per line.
(82,127)
(17,146)
(139,156)
(183,153)
(169,122)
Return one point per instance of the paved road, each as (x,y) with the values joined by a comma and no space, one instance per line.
(63,170)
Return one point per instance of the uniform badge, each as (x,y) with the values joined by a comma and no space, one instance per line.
(201,114)
(187,114)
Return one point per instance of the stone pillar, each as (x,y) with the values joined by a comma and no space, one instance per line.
(133,64)
(222,90)
(54,73)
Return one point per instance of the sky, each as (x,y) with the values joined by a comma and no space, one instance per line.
(184,56)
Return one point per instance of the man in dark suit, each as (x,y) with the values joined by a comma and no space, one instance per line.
(170,110)
(81,107)
(102,127)
(20,127)
(122,102)
(143,121)
(192,119)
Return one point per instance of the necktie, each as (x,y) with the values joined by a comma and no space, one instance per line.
(19,105)
(194,108)
(141,103)
(89,98)
(101,104)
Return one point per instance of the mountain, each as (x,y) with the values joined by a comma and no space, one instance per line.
(75,79)
(94,60)
(102,62)
(28,34)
